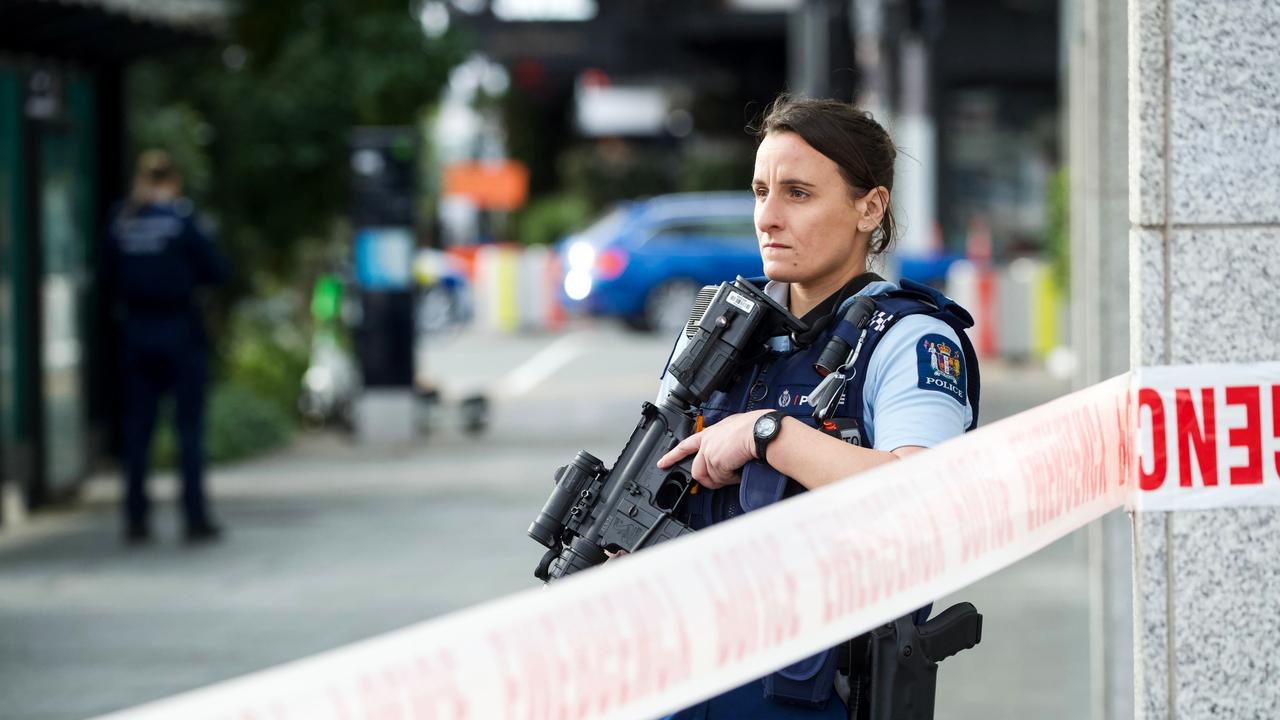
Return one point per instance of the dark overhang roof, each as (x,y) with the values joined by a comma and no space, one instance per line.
(651,37)
(107,30)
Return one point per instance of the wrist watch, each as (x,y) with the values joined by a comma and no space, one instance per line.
(766,429)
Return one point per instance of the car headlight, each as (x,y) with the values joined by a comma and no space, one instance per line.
(577,283)
(581,256)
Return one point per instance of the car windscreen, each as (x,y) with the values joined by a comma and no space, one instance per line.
(605,228)
(729,232)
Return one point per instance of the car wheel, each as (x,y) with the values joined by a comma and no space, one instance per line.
(666,310)
(636,322)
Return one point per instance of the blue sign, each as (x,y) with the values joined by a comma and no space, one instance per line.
(384,258)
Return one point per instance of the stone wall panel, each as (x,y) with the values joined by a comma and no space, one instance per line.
(1223,284)
(1224,111)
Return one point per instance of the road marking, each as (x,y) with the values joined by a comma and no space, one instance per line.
(542,365)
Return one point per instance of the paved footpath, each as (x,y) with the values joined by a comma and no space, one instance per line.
(331,543)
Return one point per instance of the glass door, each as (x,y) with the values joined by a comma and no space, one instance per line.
(64,188)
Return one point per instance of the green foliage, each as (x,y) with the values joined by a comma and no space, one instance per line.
(607,172)
(180,129)
(267,354)
(717,166)
(1058,231)
(238,424)
(551,217)
(242,424)
(276,126)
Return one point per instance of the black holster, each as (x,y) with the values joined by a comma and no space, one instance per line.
(891,673)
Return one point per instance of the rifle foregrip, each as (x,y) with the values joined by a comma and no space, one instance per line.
(957,628)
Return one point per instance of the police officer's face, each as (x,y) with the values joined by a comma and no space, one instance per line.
(806,216)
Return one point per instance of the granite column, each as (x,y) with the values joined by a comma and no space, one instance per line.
(1204,238)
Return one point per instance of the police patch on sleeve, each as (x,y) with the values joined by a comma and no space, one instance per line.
(940,363)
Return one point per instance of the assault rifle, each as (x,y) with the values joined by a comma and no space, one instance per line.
(633,505)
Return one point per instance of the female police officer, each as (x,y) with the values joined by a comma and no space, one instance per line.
(822,182)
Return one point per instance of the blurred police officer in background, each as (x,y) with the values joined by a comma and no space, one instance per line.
(157,256)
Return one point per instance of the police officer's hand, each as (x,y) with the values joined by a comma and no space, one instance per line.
(722,450)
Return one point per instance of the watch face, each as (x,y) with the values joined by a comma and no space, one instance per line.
(766,425)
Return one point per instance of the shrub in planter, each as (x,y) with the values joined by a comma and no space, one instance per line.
(239,423)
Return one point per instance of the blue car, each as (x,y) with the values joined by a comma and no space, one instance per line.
(644,261)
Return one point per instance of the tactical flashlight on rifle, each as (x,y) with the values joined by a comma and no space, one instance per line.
(633,505)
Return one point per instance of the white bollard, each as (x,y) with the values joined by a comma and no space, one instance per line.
(534,296)
(962,286)
(1014,299)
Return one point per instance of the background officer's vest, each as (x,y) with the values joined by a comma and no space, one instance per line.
(783,381)
(160,258)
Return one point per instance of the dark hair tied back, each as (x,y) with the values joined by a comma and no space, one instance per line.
(857,144)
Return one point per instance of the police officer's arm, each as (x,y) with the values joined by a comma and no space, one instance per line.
(207,261)
(810,457)
(815,458)
(911,412)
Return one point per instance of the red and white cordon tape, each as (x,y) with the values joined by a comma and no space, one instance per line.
(1209,436)
(694,617)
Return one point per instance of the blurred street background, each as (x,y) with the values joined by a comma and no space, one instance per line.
(461,235)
